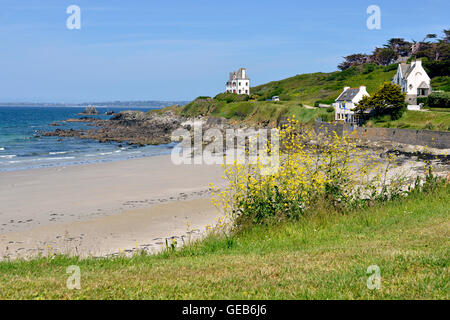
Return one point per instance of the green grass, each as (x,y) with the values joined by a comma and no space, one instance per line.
(441,83)
(254,112)
(324,86)
(432,120)
(321,257)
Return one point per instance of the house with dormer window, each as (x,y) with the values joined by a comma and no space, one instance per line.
(414,81)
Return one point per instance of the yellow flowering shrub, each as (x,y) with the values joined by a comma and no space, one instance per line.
(313,170)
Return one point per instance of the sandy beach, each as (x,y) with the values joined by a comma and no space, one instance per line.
(104,209)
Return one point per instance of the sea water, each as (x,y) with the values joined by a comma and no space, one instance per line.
(22,147)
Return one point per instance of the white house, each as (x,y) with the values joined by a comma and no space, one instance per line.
(239,82)
(413,80)
(346,103)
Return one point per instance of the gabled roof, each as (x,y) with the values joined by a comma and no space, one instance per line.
(238,75)
(404,68)
(348,94)
(423,85)
(408,72)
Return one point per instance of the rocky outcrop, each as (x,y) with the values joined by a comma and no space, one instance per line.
(83,119)
(90,110)
(134,127)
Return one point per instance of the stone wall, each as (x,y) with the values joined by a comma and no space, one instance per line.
(433,139)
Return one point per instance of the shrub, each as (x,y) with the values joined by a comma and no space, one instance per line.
(390,67)
(368,68)
(231,97)
(439,100)
(423,100)
(334,172)
(330,109)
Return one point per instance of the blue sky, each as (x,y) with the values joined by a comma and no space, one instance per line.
(177,50)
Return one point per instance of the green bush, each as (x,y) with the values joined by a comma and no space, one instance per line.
(368,68)
(390,67)
(423,100)
(231,97)
(439,100)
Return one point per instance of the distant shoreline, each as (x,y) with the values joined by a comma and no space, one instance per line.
(119,104)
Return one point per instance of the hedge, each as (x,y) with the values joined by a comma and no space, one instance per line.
(439,100)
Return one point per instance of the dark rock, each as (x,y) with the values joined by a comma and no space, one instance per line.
(90,110)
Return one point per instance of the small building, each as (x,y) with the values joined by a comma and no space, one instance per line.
(239,82)
(346,103)
(414,81)
(275,98)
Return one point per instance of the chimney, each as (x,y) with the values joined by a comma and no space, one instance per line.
(346,88)
(419,63)
(363,88)
(243,73)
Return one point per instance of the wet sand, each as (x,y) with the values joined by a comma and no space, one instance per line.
(104,209)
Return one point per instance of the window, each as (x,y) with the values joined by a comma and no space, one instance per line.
(239,91)
(239,83)
(246,91)
(246,84)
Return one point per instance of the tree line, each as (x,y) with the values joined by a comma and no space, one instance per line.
(434,49)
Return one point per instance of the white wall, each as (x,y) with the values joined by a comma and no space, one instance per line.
(243,85)
(416,77)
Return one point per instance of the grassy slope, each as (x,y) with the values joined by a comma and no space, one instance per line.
(320,257)
(433,120)
(252,112)
(325,86)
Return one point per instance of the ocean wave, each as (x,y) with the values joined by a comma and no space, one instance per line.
(2,149)
(40,159)
(8,156)
(58,152)
(61,158)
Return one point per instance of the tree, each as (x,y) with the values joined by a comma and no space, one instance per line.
(430,36)
(383,56)
(362,106)
(353,60)
(389,99)
(401,47)
(446,36)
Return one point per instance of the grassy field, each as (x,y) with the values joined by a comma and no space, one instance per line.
(255,112)
(436,119)
(321,257)
(326,87)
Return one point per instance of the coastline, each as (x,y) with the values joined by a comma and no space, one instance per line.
(102,209)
